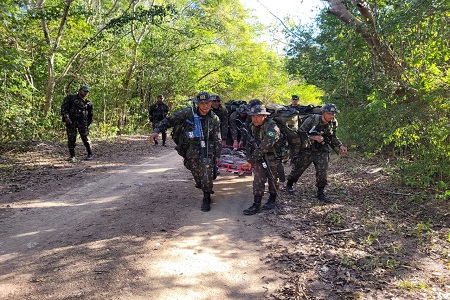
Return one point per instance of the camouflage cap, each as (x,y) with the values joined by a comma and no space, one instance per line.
(257,110)
(254,102)
(330,108)
(202,97)
(242,109)
(85,88)
(160,96)
(215,97)
(295,97)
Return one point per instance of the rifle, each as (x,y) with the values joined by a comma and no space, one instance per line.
(251,139)
(318,130)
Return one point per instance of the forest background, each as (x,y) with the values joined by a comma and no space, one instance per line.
(385,64)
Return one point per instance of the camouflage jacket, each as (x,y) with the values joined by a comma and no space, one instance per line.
(314,125)
(77,109)
(265,137)
(158,111)
(236,121)
(185,121)
(222,113)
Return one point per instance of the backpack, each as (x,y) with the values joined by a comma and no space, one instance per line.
(289,120)
(232,105)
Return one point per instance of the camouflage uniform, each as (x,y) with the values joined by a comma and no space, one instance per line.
(202,171)
(316,153)
(80,112)
(158,111)
(236,121)
(222,113)
(265,136)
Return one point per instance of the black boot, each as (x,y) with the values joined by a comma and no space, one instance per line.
(321,195)
(206,205)
(164,142)
(290,186)
(255,208)
(72,155)
(270,204)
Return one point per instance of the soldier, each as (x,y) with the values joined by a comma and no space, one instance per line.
(264,133)
(237,119)
(320,130)
(222,112)
(199,144)
(158,111)
(77,113)
(294,102)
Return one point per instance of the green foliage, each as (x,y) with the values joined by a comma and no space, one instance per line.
(401,114)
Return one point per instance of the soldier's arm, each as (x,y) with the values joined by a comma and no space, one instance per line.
(171,121)
(270,137)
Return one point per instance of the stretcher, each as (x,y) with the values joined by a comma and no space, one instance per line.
(232,160)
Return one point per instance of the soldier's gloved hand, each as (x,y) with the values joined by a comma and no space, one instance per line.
(68,121)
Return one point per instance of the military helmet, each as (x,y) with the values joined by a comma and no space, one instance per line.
(202,97)
(330,108)
(215,97)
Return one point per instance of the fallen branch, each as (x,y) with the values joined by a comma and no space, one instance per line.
(400,194)
(340,231)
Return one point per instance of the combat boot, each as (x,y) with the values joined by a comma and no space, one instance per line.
(321,195)
(164,142)
(255,208)
(206,205)
(271,202)
(72,155)
(290,186)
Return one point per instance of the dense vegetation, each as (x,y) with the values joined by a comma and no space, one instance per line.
(385,63)
(387,66)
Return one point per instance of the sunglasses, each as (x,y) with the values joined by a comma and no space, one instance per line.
(216,100)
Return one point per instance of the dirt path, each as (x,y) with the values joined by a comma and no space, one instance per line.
(128,226)
(135,232)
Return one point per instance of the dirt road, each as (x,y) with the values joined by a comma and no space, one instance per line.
(134,231)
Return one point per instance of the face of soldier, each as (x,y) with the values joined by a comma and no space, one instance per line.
(204,107)
(327,117)
(83,95)
(215,104)
(258,120)
(160,100)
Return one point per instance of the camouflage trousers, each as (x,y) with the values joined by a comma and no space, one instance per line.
(261,176)
(304,159)
(72,130)
(163,132)
(203,173)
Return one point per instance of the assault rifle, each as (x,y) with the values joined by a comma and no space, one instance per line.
(251,139)
(318,130)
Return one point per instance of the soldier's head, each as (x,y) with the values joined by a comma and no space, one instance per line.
(294,100)
(83,91)
(160,98)
(329,110)
(258,113)
(203,102)
(242,110)
(215,101)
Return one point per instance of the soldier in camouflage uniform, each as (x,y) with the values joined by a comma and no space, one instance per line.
(262,157)
(320,130)
(77,113)
(201,161)
(158,111)
(294,102)
(222,112)
(237,119)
